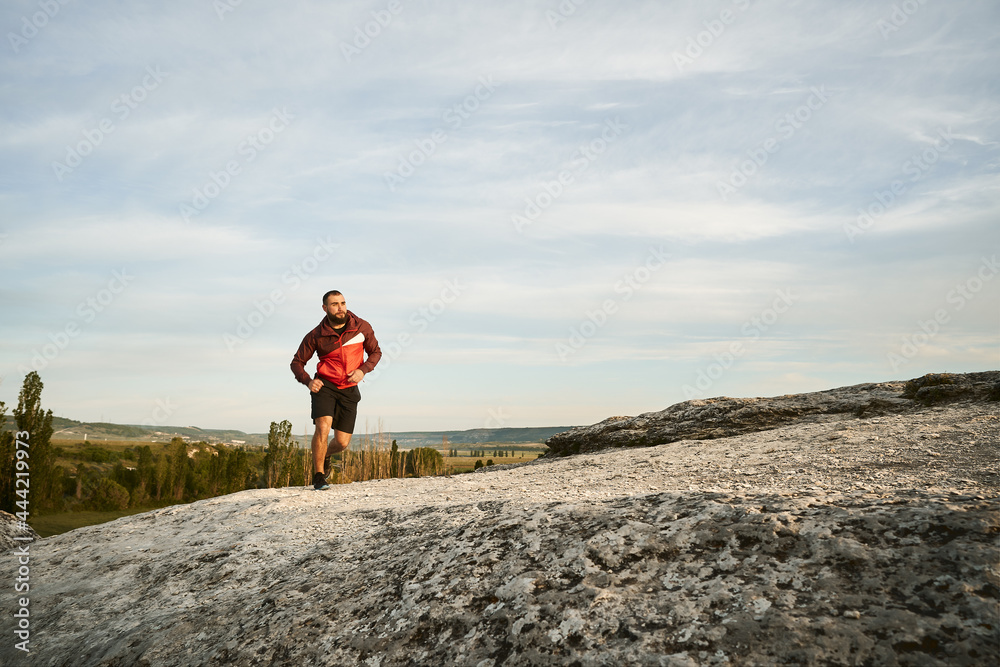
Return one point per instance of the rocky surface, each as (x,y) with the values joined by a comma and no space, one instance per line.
(833,540)
(11,528)
(720,417)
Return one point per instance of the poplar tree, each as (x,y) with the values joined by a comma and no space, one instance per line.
(179,467)
(46,477)
(277,461)
(7,465)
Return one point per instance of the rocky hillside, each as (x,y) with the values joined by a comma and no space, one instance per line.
(720,417)
(840,539)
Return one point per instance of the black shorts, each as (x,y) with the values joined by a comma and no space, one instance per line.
(341,404)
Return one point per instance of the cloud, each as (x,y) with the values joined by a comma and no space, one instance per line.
(748,165)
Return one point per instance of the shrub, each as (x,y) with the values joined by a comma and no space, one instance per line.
(424,461)
(108,495)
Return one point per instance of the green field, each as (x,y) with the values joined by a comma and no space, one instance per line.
(460,464)
(47,525)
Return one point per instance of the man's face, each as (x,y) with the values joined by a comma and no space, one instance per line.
(336,308)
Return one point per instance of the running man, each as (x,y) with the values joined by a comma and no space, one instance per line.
(341,340)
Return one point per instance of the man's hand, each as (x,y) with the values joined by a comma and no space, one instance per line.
(356,375)
(315,385)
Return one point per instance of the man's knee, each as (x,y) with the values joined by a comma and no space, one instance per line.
(340,442)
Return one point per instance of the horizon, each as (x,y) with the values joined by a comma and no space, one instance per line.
(436,430)
(175,426)
(550,212)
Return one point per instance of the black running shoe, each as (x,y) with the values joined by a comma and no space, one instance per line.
(319,482)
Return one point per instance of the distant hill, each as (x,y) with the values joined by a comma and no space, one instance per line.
(68,429)
(476,436)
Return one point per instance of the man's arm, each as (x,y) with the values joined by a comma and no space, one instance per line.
(371,349)
(305,352)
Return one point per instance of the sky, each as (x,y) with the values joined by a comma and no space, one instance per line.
(550,211)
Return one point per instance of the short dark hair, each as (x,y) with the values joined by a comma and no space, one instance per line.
(332,292)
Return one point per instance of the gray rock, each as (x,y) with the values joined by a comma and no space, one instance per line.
(834,540)
(10,528)
(721,417)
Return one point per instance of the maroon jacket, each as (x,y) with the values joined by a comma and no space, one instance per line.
(338,355)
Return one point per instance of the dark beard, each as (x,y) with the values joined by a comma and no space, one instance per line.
(337,321)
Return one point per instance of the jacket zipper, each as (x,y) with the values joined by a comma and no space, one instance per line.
(343,359)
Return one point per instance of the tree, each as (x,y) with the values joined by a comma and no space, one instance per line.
(163,479)
(7,465)
(179,468)
(124,476)
(283,461)
(46,478)
(424,461)
(106,495)
(239,473)
(395,468)
(146,472)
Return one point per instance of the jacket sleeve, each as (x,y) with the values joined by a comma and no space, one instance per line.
(302,356)
(372,349)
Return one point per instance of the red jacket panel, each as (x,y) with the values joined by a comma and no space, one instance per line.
(338,355)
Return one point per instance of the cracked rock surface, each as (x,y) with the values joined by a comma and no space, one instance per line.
(838,540)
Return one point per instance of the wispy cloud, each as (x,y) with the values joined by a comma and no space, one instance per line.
(757,136)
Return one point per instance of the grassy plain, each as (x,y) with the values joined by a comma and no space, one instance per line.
(522,454)
(47,525)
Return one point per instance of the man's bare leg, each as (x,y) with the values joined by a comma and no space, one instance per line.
(323,425)
(341,441)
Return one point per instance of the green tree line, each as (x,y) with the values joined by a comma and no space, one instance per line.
(179,472)
(496,453)
(140,476)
